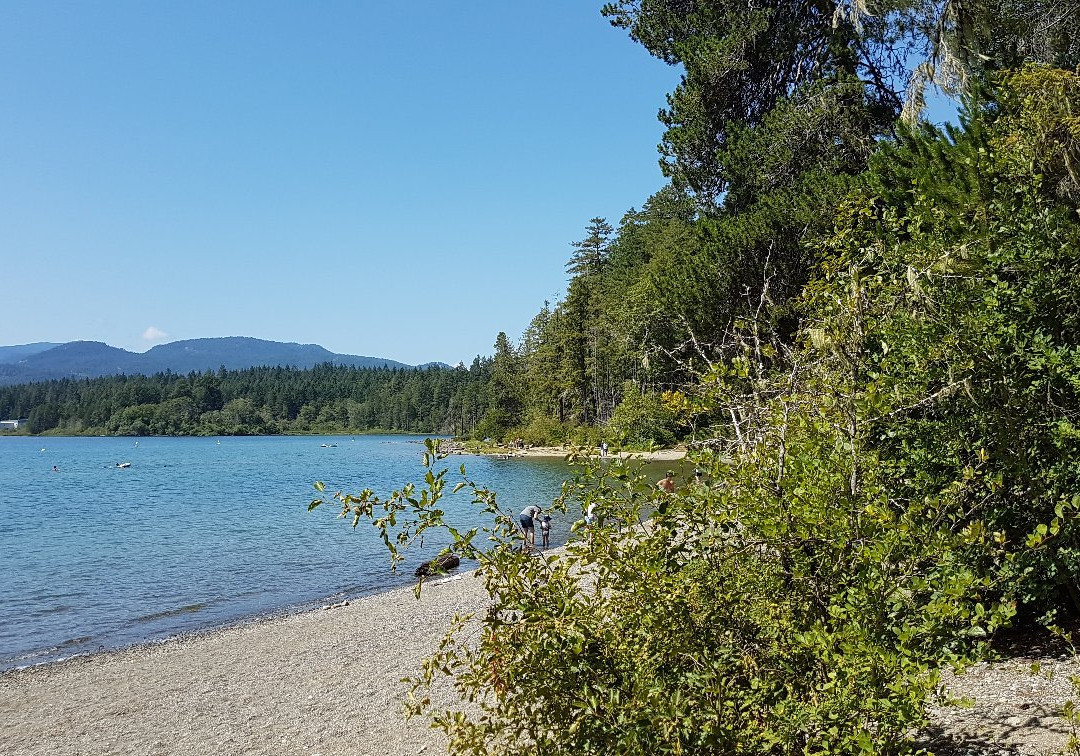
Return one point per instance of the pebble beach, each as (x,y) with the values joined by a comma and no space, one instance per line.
(324,682)
(328,682)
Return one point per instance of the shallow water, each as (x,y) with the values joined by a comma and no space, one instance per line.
(202,532)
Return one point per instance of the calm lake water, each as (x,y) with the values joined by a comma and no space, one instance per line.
(202,532)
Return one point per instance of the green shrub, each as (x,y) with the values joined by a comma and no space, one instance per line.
(642,420)
(888,496)
(541,430)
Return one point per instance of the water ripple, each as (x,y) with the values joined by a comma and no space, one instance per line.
(196,534)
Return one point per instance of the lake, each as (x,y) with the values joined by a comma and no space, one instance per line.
(202,532)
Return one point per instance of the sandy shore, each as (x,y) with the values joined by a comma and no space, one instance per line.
(547,452)
(323,682)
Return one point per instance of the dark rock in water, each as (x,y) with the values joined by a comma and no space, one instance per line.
(438,565)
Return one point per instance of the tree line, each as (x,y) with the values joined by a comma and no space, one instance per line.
(261,400)
(779,113)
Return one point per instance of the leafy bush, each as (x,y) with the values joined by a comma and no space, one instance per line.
(496,425)
(585,435)
(896,482)
(541,430)
(804,619)
(965,249)
(642,420)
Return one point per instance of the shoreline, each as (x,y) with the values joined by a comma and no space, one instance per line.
(121,618)
(454,448)
(41,660)
(328,681)
(557,452)
(323,681)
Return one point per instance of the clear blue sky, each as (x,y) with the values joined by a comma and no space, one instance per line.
(399,180)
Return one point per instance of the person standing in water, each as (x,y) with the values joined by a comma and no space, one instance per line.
(528,531)
(667,483)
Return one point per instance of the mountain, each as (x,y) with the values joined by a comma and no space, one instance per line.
(91,359)
(77,359)
(238,352)
(16,353)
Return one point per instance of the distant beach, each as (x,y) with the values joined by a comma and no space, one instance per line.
(559,452)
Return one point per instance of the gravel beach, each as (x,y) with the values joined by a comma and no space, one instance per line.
(327,682)
(323,682)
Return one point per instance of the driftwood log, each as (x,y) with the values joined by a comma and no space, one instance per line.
(438,565)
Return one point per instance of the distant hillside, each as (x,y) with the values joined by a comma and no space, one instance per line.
(16,353)
(91,359)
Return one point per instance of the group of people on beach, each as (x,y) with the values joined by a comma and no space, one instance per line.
(533,514)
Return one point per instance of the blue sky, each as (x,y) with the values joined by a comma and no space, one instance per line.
(394,180)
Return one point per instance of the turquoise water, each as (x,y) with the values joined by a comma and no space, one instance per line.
(202,532)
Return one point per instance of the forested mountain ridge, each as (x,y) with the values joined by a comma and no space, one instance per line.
(91,359)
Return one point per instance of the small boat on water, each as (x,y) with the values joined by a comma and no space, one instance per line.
(123,464)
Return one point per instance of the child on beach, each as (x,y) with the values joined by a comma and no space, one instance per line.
(545,529)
